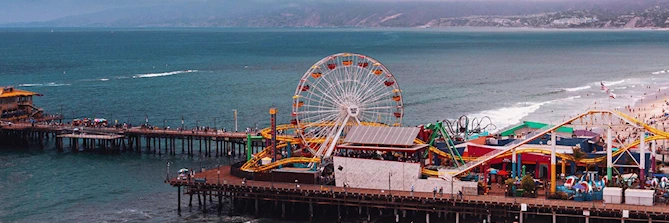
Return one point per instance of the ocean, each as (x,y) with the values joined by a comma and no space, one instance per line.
(202,74)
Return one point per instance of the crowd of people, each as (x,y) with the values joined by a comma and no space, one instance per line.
(369,154)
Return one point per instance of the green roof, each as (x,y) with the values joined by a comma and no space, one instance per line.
(534,125)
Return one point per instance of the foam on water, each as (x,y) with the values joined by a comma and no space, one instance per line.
(50,84)
(163,74)
(507,116)
(578,88)
(614,83)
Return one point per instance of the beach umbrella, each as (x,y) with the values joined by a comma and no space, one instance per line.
(578,186)
(502,173)
(183,170)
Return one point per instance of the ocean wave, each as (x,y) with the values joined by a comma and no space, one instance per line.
(570,98)
(509,116)
(550,92)
(578,88)
(660,72)
(50,84)
(163,74)
(29,85)
(614,83)
(103,79)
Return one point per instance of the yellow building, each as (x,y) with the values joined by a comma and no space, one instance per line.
(17,104)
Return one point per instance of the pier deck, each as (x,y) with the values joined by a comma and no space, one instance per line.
(210,143)
(88,136)
(419,201)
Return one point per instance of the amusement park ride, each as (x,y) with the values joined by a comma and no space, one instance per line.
(346,90)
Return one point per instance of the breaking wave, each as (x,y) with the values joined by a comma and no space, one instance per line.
(163,74)
(660,72)
(578,88)
(508,116)
(614,83)
(50,84)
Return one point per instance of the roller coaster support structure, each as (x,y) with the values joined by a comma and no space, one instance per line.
(249,149)
(642,159)
(609,155)
(553,162)
(438,128)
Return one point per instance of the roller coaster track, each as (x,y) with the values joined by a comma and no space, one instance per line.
(287,161)
(252,165)
(548,152)
(482,159)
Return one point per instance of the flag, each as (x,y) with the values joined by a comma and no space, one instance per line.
(607,90)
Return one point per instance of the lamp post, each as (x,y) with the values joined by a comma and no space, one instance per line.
(389,175)
(234,112)
(452,195)
(61,114)
(215,130)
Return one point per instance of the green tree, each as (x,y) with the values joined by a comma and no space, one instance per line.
(527,183)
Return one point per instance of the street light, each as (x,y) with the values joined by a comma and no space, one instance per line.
(389,191)
(235,116)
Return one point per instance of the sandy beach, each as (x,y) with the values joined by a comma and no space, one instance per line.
(652,109)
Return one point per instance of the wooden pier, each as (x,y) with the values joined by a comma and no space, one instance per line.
(271,198)
(168,142)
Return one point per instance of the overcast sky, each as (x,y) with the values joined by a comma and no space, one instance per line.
(43,10)
(12,11)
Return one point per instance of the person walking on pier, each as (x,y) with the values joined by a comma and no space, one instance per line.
(434,192)
(412,190)
(441,191)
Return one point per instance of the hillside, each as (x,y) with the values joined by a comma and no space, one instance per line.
(264,13)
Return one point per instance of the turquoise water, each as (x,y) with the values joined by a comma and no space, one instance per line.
(202,74)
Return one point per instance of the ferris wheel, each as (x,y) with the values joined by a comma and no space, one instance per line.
(340,91)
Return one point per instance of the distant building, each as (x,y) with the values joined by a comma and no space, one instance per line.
(17,104)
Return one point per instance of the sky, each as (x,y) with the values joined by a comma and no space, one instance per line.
(17,11)
(12,11)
